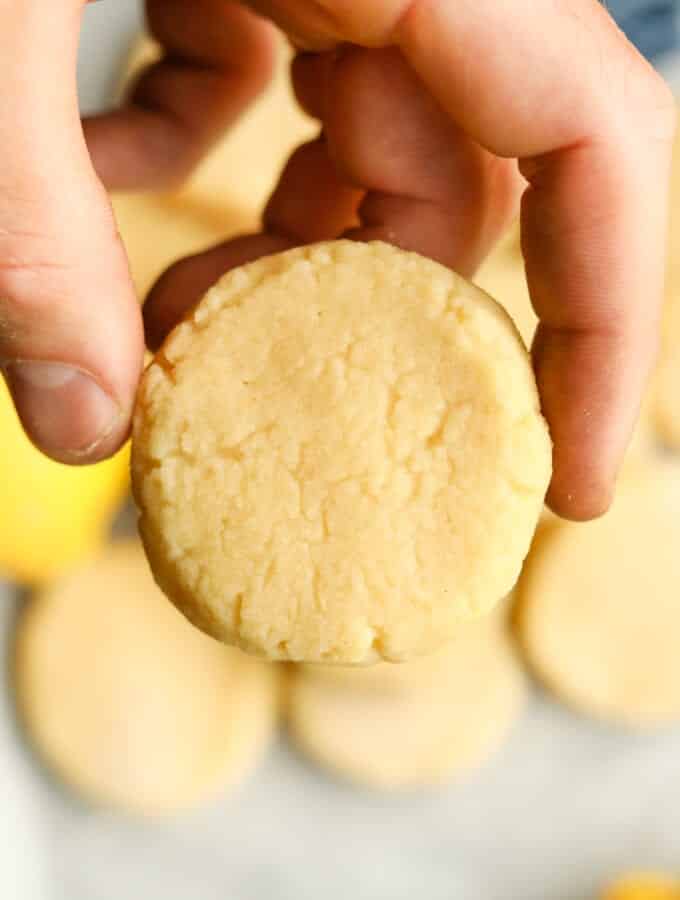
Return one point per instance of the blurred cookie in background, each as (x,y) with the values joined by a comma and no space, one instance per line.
(51,515)
(128,703)
(414,724)
(597,614)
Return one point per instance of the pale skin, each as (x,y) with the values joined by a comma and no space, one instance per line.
(438,119)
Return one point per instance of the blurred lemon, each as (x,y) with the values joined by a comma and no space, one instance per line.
(51,515)
(644,886)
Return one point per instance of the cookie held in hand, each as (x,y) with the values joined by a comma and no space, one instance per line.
(338,455)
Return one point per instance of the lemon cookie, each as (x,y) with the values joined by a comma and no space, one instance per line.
(598,604)
(126,701)
(415,733)
(338,455)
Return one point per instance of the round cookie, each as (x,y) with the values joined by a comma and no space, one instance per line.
(598,614)
(644,886)
(126,701)
(338,455)
(418,734)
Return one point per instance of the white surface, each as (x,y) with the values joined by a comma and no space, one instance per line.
(24,859)
(109,27)
(565,806)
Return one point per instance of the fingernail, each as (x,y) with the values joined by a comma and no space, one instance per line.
(62,409)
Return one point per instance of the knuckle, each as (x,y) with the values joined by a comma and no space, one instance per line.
(648,98)
(371,24)
(660,106)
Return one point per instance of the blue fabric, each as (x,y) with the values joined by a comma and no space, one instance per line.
(650,24)
(622,8)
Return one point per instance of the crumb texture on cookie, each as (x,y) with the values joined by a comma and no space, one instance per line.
(338,455)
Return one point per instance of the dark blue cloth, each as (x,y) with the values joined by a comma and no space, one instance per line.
(650,24)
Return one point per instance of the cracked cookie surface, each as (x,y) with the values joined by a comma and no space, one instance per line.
(338,455)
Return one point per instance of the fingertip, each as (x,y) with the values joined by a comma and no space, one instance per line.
(65,412)
(311,203)
(167,303)
(582,502)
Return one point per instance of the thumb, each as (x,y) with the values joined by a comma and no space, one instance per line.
(71,341)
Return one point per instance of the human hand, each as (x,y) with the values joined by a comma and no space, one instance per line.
(71,339)
(427,145)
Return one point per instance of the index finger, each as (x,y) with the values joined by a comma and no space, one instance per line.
(217,57)
(559,87)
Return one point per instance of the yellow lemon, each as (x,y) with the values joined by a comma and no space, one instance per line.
(50,515)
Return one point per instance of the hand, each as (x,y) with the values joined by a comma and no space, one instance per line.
(420,147)
(71,340)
